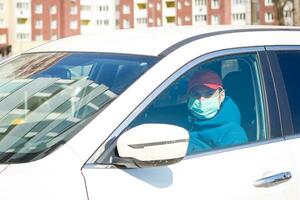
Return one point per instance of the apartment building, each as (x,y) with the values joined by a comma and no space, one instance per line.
(184,12)
(125,14)
(148,13)
(140,13)
(27,23)
(5,48)
(155,13)
(53,19)
(97,15)
(240,12)
(22,17)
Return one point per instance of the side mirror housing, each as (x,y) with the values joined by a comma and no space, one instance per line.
(150,145)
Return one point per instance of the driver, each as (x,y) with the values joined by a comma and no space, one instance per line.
(213,119)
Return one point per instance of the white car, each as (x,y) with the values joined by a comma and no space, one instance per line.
(106,116)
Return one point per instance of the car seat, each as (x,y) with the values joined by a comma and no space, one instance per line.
(238,85)
(103,73)
(55,72)
(125,76)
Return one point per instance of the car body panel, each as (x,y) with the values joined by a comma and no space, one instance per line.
(57,176)
(141,41)
(225,175)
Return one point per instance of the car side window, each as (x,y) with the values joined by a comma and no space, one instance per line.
(219,102)
(289,62)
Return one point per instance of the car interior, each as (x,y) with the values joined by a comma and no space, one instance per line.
(237,77)
(117,75)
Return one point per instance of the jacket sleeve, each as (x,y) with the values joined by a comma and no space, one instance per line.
(236,135)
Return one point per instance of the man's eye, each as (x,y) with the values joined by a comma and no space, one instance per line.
(209,93)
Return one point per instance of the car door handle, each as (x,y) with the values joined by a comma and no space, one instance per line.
(273,180)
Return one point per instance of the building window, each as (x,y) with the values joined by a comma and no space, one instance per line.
(215,4)
(73,10)
(150,20)
(141,20)
(179,21)
(1,7)
(126,23)
(178,5)
(83,8)
(239,16)
(269,17)
(158,21)
(39,37)
(22,36)
(288,13)
(73,24)
(38,9)
(269,2)
(187,3)
(53,10)
(187,19)
(200,18)
(158,6)
(2,23)
(98,22)
(38,24)
(3,39)
(200,2)
(126,9)
(53,24)
(22,5)
(238,2)
(215,20)
(102,8)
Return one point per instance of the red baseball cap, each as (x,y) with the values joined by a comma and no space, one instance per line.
(206,78)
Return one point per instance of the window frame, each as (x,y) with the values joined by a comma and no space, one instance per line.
(282,97)
(272,121)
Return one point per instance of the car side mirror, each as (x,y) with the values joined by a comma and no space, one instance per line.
(151,145)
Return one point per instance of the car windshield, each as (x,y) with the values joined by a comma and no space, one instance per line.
(46,98)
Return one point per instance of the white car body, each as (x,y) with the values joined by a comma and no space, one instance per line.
(69,173)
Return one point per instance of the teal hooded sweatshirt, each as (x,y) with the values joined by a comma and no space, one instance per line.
(220,131)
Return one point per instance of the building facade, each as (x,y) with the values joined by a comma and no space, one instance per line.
(97,16)
(53,19)
(148,13)
(5,47)
(27,23)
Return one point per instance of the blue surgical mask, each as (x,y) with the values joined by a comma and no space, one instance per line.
(205,108)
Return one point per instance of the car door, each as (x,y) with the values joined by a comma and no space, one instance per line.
(285,62)
(260,168)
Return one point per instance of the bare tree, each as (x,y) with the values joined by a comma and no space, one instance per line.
(279,10)
(296,12)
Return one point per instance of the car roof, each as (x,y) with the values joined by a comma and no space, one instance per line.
(156,41)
